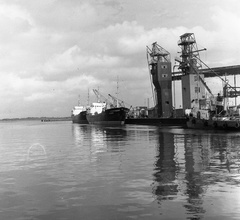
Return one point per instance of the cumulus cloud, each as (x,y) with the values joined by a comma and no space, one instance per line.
(52,51)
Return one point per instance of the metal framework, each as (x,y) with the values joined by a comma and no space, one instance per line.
(213,72)
(154,55)
(191,63)
(190,58)
(116,101)
(157,53)
(100,97)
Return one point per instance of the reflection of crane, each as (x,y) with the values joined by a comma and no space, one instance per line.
(116,101)
(100,97)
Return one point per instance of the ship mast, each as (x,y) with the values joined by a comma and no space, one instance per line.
(88,98)
(117,92)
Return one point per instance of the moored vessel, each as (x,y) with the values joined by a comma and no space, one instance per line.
(98,113)
(216,115)
(106,112)
(79,115)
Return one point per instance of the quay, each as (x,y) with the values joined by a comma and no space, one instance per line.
(157,121)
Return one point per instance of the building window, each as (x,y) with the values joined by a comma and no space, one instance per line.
(164,75)
(197,89)
(164,66)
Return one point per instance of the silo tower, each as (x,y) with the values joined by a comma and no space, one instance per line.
(193,86)
(159,62)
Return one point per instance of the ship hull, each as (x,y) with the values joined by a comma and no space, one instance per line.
(113,116)
(80,118)
(217,124)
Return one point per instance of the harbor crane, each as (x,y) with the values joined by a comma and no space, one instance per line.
(159,65)
(101,98)
(116,101)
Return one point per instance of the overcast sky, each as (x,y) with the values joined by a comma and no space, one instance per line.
(52,51)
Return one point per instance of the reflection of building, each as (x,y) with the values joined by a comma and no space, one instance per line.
(208,152)
(197,160)
(165,171)
(178,169)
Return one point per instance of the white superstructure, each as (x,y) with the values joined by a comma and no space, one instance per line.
(97,108)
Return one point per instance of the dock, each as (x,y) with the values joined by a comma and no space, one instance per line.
(157,121)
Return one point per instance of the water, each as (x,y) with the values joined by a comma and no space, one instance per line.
(60,170)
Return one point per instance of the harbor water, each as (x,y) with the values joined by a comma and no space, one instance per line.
(59,170)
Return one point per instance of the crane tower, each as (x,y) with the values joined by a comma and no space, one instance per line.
(193,85)
(159,62)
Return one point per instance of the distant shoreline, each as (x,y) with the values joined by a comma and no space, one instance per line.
(43,119)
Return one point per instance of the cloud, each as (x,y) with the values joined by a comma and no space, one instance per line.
(66,17)
(51,51)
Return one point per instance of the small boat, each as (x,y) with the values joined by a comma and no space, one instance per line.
(215,114)
(79,115)
(216,122)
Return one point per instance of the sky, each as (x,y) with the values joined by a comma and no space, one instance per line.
(52,52)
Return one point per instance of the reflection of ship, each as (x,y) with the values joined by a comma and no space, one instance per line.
(106,112)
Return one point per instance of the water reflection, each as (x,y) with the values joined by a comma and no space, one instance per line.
(165,168)
(100,138)
(196,157)
(189,167)
(130,172)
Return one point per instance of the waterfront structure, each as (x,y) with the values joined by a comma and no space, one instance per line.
(159,62)
(193,85)
(204,109)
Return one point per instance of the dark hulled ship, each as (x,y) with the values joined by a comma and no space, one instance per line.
(79,115)
(102,114)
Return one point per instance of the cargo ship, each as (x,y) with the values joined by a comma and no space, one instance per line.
(100,114)
(105,112)
(79,115)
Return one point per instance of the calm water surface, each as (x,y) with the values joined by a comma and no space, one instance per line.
(60,170)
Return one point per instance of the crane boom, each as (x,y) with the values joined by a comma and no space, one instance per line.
(116,101)
(100,97)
